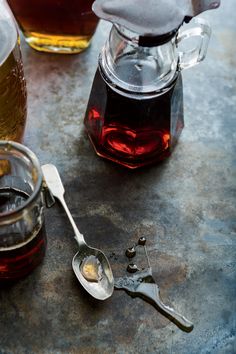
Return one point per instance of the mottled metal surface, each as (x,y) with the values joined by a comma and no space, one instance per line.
(185,207)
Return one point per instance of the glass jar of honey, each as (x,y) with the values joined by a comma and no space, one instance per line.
(64,26)
(13,98)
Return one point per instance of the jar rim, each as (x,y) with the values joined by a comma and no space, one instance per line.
(146,40)
(14,215)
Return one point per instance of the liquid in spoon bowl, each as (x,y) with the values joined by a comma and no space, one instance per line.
(91,269)
(94,273)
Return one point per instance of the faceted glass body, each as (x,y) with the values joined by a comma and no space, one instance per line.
(135,110)
(134,130)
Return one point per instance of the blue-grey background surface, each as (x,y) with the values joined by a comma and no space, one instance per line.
(186,207)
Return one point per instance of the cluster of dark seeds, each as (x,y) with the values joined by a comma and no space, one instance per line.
(131,252)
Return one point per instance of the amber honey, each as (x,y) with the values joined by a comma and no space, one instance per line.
(13,102)
(65,26)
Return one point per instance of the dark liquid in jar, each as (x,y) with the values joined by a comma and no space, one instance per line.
(18,260)
(65,17)
(133,131)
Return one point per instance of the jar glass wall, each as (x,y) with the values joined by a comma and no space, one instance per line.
(22,232)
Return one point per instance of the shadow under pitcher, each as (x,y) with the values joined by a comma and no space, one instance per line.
(64,26)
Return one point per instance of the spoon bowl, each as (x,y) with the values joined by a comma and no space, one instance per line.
(101,289)
(90,265)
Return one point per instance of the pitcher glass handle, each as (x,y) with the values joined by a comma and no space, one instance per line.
(193,56)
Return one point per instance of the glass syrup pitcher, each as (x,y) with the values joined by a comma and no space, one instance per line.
(135,111)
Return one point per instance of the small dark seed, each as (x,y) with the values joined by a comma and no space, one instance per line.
(130,252)
(142,241)
(132,268)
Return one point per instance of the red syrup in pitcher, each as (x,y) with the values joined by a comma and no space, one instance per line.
(134,129)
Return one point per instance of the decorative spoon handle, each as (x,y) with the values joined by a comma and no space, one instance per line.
(55,185)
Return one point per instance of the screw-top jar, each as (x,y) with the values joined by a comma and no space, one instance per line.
(22,232)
